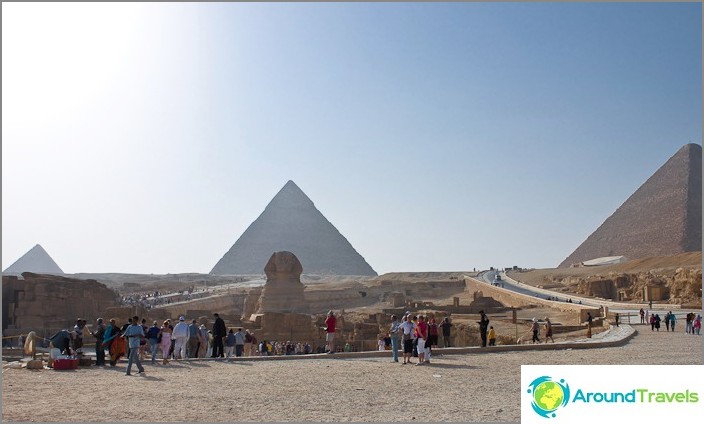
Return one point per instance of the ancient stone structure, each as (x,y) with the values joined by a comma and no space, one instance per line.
(663,217)
(47,303)
(35,260)
(291,222)
(283,291)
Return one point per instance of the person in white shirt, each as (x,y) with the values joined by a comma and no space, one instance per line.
(408,328)
(180,335)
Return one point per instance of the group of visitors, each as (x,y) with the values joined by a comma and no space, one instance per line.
(693,322)
(418,336)
(535,330)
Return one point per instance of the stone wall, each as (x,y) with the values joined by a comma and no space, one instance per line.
(48,303)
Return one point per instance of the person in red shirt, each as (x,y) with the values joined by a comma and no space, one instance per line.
(330,322)
(422,333)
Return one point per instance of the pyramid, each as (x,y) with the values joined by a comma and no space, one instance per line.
(37,261)
(663,217)
(291,222)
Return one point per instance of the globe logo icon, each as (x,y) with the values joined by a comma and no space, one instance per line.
(548,395)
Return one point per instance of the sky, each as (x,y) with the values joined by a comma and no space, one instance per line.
(146,138)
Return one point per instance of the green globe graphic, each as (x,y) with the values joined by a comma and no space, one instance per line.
(548,396)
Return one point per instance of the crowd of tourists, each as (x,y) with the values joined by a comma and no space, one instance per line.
(692,325)
(149,300)
(169,341)
(416,337)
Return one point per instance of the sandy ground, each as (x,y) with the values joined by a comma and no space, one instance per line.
(467,387)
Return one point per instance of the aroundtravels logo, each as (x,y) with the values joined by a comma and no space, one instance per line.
(548,395)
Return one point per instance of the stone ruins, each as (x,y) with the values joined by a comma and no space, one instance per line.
(35,260)
(663,217)
(292,223)
(47,303)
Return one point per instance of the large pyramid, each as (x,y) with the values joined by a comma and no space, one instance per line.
(663,217)
(292,223)
(35,260)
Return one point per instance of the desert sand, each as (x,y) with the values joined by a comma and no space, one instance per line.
(465,387)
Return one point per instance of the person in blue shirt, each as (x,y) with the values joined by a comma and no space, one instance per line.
(134,333)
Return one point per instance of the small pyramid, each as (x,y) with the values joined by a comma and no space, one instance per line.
(292,223)
(663,217)
(37,261)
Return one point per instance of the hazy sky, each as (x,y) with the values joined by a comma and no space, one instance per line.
(146,138)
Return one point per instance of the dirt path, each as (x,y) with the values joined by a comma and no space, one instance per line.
(471,387)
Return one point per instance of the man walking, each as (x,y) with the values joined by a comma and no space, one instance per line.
(219,331)
(180,336)
(134,334)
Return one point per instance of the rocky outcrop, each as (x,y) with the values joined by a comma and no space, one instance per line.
(283,291)
(48,303)
(679,286)
(663,217)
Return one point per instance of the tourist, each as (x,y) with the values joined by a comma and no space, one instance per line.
(432,334)
(483,326)
(153,339)
(99,333)
(446,326)
(673,320)
(330,327)
(202,341)
(408,329)
(548,330)
(696,327)
(254,345)
(667,321)
(134,333)
(78,336)
(180,335)
(688,322)
(492,336)
(535,329)
(657,322)
(642,316)
(395,333)
(647,317)
(422,336)
(247,343)
(380,343)
(165,333)
(115,343)
(219,331)
(192,341)
(239,343)
(617,318)
(652,322)
(230,344)
(143,340)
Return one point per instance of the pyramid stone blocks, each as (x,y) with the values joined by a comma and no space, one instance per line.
(292,223)
(663,217)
